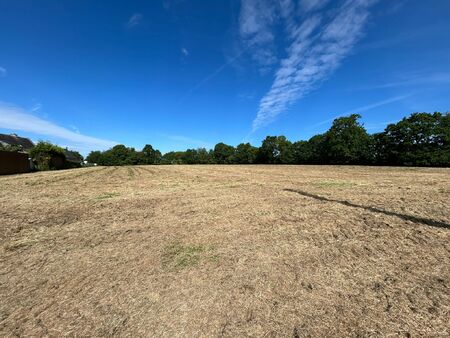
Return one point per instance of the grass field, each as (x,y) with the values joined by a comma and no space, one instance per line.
(263,251)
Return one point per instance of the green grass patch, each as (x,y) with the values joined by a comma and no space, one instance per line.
(22,243)
(130,172)
(334,184)
(183,256)
(34,183)
(107,195)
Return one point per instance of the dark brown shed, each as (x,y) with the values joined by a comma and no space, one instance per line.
(14,163)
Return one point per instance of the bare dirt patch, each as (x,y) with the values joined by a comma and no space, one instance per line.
(292,251)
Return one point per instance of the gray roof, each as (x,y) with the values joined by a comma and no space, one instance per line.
(72,156)
(14,140)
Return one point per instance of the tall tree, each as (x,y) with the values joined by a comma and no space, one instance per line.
(347,142)
(223,153)
(421,139)
(173,157)
(120,155)
(95,157)
(151,155)
(204,156)
(245,154)
(190,156)
(276,150)
(317,145)
(303,152)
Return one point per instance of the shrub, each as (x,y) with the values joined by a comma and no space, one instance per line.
(12,148)
(48,156)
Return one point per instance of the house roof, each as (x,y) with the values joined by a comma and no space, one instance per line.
(14,140)
(72,156)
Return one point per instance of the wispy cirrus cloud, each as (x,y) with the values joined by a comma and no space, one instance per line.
(134,20)
(367,107)
(256,21)
(184,51)
(16,118)
(36,107)
(312,5)
(3,72)
(409,80)
(210,76)
(318,41)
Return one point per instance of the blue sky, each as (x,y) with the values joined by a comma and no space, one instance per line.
(191,73)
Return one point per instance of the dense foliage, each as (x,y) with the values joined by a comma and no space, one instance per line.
(12,148)
(47,156)
(421,139)
(347,142)
(121,155)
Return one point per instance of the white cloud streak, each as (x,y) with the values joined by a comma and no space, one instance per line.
(255,23)
(312,5)
(15,118)
(316,49)
(419,80)
(255,27)
(134,20)
(367,108)
(3,72)
(36,107)
(210,76)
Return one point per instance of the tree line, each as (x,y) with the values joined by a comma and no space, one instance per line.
(422,139)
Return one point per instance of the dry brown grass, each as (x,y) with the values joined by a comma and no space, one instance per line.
(258,251)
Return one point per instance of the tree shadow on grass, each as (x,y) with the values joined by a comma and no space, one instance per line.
(411,218)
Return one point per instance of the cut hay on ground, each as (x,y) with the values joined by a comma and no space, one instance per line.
(201,251)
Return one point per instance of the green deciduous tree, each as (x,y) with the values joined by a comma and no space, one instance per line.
(316,144)
(245,154)
(276,150)
(303,152)
(204,156)
(150,155)
(121,155)
(223,153)
(173,157)
(347,142)
(95,157)
(422,139)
